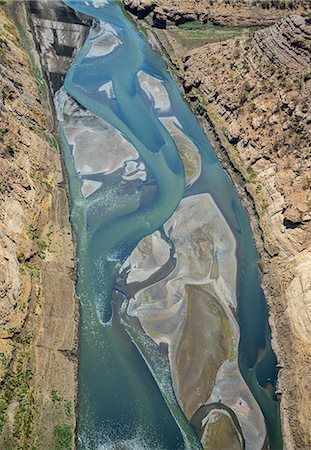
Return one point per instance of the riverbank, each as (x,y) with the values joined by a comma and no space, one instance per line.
(39,314)
(281,239)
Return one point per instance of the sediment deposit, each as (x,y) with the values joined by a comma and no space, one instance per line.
(188,152)
(154,90)
(192,310)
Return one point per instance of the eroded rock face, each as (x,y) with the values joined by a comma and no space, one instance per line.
(263,90)
(10,282)
(23,147)
(38,310)
(219,12)
(140,7)
(253,107)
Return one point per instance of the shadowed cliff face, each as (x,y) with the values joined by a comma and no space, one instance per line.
(254,91)
(59,32)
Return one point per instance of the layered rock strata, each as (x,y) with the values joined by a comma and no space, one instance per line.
(233,12)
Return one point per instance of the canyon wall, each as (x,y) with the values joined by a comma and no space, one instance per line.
(38,309)
(229,12)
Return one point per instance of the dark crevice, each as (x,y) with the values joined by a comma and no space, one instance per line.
(290,225)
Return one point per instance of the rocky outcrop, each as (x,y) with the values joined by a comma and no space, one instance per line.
(253,95)
(258,88)
(24,194)
(287,43)
(230,12)
(140,8)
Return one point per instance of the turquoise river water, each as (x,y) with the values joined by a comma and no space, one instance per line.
(124,400)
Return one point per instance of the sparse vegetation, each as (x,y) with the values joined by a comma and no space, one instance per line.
(20,256)
(264,205)
(31,231)
(63,437)
(225,133)
(55,397)
(298,83)
(17,84)
(143,30)
(194,34)
(278,4)
(40,80)
(10,150)
(31,269)
(16,387)
(53,142)
(9,28)
(245,91)
(12,330)
(68,409)
(42,245)
(252,175)
(306,182)
(2,131)
(48,186)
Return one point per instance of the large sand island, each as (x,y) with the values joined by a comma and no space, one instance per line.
(190,308)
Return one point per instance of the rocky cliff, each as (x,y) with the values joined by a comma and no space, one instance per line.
(38,309)
(233,12)
(252,94)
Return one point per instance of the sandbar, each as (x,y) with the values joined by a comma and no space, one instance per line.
(188,151)
(155,90)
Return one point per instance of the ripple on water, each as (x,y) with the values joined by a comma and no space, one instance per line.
(143,439)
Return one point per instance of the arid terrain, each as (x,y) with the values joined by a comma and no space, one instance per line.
(250,85)
(39,311)
(218,12)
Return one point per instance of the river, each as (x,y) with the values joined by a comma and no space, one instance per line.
(111,103)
